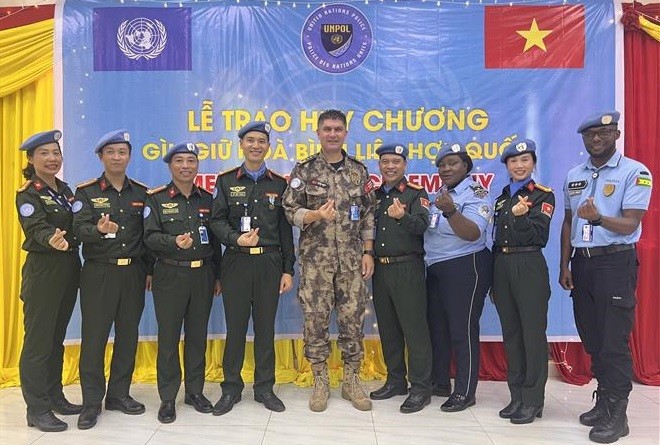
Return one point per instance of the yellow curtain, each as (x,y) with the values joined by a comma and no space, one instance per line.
(26,107)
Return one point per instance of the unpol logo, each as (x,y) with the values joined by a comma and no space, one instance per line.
(336,38)
(141,38)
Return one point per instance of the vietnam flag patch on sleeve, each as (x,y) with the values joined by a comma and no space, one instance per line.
(547,209)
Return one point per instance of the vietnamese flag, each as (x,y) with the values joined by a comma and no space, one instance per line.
(534,36)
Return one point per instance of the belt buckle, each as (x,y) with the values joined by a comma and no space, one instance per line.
(256,250)
(195,264)
(385,260)
(123,261)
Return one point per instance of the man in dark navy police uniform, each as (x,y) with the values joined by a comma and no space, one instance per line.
(605,199)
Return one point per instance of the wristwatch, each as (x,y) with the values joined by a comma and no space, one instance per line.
(449,214)
(597,222)
(368,252)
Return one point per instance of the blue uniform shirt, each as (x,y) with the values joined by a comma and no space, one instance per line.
(622,183)
(441,243)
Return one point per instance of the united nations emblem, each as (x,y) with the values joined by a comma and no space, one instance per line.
(608,189)
(141,38)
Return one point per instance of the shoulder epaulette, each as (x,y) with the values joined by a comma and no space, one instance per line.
(414,186)
(233,169)
(309,158)
(543,188)
(140,183)
(25,185)
(156,190)
(353,158)
(87,183)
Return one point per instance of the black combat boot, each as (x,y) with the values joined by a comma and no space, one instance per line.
(614,424)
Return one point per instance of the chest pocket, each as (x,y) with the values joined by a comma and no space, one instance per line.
(316,196)
(237,207)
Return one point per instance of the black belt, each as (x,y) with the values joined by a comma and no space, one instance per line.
(588,252)
(517,249)
(194,264)
(115,261)
(257,250)
(396,259)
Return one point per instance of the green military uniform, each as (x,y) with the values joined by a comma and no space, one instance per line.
(182,283)
(399,285)
(521,288)
(112,283)
(48,289)
(251,276)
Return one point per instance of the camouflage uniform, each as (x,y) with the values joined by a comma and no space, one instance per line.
(331,252)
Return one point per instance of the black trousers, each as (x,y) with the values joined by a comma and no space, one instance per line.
(250,286)
(456,291)
(604,308)
(109,293)
(182,296)
(49,289)
(521,290)
(400,303)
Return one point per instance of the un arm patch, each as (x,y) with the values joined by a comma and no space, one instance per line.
(644,181)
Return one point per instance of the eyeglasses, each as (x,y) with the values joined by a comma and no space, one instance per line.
(600,132)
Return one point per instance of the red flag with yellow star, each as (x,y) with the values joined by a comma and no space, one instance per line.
(534,36)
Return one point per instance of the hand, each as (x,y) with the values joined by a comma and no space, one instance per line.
(327,210)
(588,210)
(249,239)
(396,210)
(286,283)
(444,201)
(217,288)
(104,225)
(147,284)
(566,278)
(522,206)
(184,241)
(367,266)
(57,241)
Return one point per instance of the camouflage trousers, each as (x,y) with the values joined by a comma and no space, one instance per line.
(320,291)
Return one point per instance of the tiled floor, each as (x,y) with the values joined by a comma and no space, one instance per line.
(250,423)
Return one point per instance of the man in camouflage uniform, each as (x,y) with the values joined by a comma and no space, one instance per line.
(331,199)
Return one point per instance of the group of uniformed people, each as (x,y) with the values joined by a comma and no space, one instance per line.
(429,260)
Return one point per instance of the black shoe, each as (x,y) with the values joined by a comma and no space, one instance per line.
(46,422)
(442,390)
(167,412)
(414,403)
(510,409)
(65,408)
(457,402)
(201,403)
(127,405)
(388,391)
(89,416)
(593,416)
(270,401)
(526,414)
(225,404)
(614,425)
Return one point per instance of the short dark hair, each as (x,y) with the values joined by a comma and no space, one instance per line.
(331,114)
(29,170)
(130,147)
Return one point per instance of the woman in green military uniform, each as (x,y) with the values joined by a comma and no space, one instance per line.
(49,280)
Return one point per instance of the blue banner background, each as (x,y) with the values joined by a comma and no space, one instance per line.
(249,58)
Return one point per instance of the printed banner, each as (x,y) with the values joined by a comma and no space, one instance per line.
(420,73)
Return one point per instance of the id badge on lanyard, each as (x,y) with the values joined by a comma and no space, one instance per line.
(354,212)
(587,233)
(433,220)
(246,221)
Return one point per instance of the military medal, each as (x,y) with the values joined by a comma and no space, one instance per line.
(271,200)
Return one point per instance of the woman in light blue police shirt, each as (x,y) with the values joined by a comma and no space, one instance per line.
(459,273)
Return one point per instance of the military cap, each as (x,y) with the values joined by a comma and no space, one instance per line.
(260,126)
(599,119)
(114,137)
(186,147)
(454,149)
(43,138)
(393,149)
(519,148)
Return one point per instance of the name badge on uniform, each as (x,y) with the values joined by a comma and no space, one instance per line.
(203,235)
(355,212)
(587,233)
(246,224)
(433,220)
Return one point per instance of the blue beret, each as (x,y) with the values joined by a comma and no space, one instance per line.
(114,137)
(186,147)
(519,148)
(393,149)
(43,138)
(599,119)
(260,126)
(450,149)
